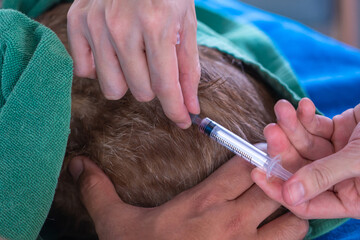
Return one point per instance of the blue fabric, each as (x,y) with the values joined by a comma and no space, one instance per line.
(327,69)
(348,231)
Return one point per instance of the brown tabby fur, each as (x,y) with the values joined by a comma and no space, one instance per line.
(147,157)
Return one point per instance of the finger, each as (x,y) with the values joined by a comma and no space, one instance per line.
(315,208)
(227,182)
(279,145)
(130,50)
(272,188)
(189,65)
(79,46)
(319,207)
(97,192)
(344,125)
(317,177)
(315,124)
(308,145)
(164,74)
(109,72)
(286,227)
(256,205)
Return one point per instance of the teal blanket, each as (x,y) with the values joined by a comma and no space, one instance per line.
(35,74)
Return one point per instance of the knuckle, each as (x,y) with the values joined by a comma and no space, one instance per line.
(121,35)
(116,27)
(306,146)
(156,29)
(150,21)
(321,176)
(157,13)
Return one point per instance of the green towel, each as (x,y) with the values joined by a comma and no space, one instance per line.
(241,40)
(35,74)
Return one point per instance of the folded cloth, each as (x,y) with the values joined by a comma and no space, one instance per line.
(35,87)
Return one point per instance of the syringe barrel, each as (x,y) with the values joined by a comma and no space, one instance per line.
(234,143)
(242,148)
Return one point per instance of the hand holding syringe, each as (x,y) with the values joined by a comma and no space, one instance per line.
(241,147)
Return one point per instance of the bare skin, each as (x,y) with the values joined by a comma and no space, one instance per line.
(327,154)
(133,44)
(227,205)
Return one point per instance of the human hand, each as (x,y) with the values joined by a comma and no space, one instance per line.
(133,44)
(328,187)
(227,205)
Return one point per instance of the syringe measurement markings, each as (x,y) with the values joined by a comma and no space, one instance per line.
(231,147)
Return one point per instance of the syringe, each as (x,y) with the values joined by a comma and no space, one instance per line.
(241,147)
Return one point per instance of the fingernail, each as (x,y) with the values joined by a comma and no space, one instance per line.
(76,167)
(296,193)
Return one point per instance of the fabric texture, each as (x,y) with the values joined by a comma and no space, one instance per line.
(327,69)
(35,87)
(238,37)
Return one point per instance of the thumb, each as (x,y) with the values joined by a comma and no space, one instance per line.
(319,176)
(96,189)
